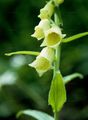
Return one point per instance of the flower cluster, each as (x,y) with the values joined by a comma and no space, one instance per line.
(51,35)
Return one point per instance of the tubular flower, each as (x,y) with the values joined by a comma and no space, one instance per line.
(47,11)
(53,37)
(41,65)
(41,28)
(57,2)
(44,61)
(48,53)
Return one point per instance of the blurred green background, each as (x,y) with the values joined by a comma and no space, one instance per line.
(20,86)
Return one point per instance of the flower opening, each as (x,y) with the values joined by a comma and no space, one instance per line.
(53,37)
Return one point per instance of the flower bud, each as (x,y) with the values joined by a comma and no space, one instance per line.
(53,37)
(41,65)
(41,28)
(57,2)
(47,11)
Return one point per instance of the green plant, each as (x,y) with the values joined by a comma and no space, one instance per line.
(50,30)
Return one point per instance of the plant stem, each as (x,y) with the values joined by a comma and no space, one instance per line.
(57,59)
(58,52)
(55,116)
(56,67)
(58,21)
(57,17)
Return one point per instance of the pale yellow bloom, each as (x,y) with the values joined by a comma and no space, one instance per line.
(48,53)
(41,64)
(44,61)
(47,11)
(41,28)
(53,37)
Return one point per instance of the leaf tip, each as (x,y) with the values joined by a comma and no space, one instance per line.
(7,54)
(81,76)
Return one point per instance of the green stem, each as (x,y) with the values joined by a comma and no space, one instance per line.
(57,17)
(57,59)
(56,67)
(55,116)
(58,52)
(58,21)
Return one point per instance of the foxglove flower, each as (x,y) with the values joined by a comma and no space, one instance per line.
(41,28)
(53,37)
(44,61)
(47,11)
(48,53)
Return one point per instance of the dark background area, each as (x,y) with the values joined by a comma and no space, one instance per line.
(20,86)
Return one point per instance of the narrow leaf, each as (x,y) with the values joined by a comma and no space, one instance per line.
(72,76)
(36,114)
(23,52)
(74,37)
(57,93)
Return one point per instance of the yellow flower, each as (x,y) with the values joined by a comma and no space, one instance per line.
(41,65)
(41,28)
(44,61)
(53,37)
(48,53)
(57,2)
(47,11)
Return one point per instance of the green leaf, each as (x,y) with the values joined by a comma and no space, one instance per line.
(72,76)
(23,52)
(74,37)
(57,93)
(36,114)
